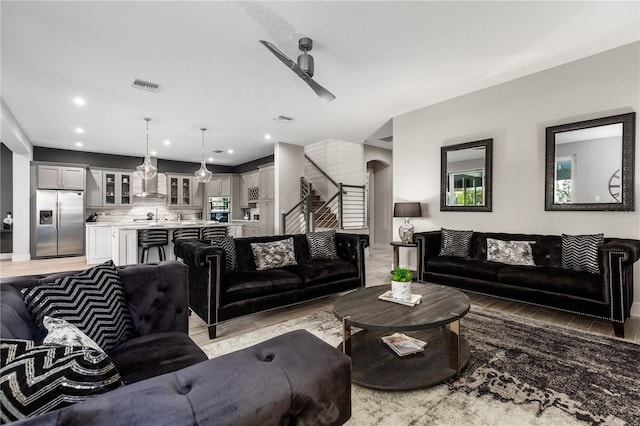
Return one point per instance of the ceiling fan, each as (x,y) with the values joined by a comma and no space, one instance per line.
(304,66)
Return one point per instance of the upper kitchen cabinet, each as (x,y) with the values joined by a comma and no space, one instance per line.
(94,188)
(60,177)
(266,182)
(184,191)
(249,189)
(219,186)
(116,188)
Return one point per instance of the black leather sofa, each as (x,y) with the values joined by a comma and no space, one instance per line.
(607,295)
(216,295)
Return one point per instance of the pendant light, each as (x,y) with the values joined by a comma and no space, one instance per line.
(203,174)
(146,170)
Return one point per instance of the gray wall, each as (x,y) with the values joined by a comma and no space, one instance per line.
(515,114)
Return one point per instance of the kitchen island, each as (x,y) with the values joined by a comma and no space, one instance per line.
(119,240)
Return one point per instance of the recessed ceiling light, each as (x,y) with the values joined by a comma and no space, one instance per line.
(78,143)
(79,130)
(210,159)
(267,136)
(78,101)
(230,151)
(153,153)
(167,142)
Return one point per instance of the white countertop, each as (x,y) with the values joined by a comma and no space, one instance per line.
(166,224)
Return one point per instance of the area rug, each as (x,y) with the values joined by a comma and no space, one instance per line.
(518,374)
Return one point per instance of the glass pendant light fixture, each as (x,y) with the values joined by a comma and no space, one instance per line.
(203,174)
(146,170)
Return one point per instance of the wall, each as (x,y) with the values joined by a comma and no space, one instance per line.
(515,114)
(378,162)
(288,167)
(337,159)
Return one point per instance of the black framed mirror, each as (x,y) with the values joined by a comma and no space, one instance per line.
(466,176)
(589,165)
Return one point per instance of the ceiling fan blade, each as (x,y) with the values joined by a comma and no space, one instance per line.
(323,93)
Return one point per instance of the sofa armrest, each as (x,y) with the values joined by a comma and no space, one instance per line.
(294,378)
(157,296)
(350,247)
(616,259)
(428,246)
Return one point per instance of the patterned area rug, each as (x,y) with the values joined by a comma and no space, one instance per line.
(518,374)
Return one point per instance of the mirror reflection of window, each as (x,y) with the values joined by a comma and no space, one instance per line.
(466,188)
(565,169)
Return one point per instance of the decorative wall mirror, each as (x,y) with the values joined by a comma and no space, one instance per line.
(465,176)
(589,164)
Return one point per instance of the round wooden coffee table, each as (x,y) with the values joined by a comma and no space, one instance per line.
(435,320)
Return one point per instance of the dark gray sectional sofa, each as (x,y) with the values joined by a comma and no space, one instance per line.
(216,294)
(607,295)
(294,378)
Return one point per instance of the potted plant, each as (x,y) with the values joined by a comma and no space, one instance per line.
(401,284)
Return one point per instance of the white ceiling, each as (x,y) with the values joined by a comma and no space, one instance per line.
(380,59)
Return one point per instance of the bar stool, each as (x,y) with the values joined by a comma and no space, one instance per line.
(213,232)
(148,238)
(186,234)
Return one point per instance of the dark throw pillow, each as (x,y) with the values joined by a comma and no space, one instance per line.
(229,247)
(322,245)
(39,379)
(580,252)
(92,300)
(274,254)
(455,243)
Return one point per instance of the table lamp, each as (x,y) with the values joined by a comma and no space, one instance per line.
(406,210)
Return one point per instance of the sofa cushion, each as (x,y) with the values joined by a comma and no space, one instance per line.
(148,356)
(273,254)
(455,243)
(247,285)
(322,245)
(510,252)
(555,280)
(229,247)
(580,252)
(62,333)
(322,271)
(38,379)
(472,268)
(93,300)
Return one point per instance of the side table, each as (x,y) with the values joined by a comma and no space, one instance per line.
(396,253)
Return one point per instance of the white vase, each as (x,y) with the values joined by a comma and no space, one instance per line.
(401,291)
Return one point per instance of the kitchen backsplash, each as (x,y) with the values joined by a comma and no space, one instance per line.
(140,209)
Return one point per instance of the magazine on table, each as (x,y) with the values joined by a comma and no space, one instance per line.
(403,344)
(388,296)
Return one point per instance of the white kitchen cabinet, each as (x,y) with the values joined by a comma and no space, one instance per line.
(124,246)
(251,230)
(219,186)
(94,189)
(116,188)
(60,177)
(234,231)
(184,191)
(244,193)
(248,184)
(266,178)
(267,217)
(98,244)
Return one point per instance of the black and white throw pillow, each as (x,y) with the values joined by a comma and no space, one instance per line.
(229,247)
(322,245)
(580,252)
(510,252)
(274,254)
(38,379)
(455,243)
(92,300)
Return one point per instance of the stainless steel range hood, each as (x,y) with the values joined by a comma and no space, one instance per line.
(150,186)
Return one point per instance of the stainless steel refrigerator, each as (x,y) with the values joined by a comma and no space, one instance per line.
(59,223)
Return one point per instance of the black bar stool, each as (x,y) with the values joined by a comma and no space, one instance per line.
(186,234)
(148,238)
(213,232)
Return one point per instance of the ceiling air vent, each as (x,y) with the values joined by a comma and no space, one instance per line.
(387,139)
(283,119)
(217,151)
(145,85)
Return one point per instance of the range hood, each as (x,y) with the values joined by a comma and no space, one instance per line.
(150,186)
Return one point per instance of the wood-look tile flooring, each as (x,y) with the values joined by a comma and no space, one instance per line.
(378,264)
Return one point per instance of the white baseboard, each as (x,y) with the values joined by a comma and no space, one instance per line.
(20,257)
(635,309)
(6,256)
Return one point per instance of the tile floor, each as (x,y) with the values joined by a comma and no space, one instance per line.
(378,264)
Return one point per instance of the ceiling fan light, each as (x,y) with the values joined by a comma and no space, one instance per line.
(147,170)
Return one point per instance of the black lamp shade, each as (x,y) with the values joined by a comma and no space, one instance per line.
(407,210)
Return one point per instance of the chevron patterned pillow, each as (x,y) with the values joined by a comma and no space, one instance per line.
(322,245)
(455,243)
(580,252)
(92,300)
(38,379)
